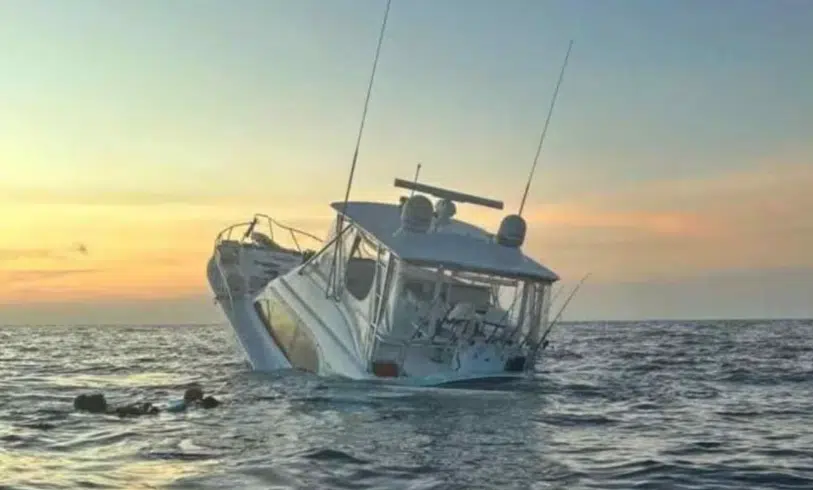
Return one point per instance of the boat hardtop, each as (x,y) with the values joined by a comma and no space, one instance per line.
(457,245)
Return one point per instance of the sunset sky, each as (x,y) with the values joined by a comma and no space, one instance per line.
(678,168)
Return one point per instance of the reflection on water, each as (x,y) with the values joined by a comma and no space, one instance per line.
(89,469)
(716,405)
(116,380)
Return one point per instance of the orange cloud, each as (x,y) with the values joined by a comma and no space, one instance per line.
(749,220)
(102,284)
(144,251)
(155,246)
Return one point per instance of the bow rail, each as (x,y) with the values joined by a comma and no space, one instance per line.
(240,251)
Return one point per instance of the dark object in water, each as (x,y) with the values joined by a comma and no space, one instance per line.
(135,409)
(94,403)
(515,364)
(193,394)
(209,402)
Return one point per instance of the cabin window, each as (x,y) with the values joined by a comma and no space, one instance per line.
(360,269)
(303,352)
(507,307)
(420,282)
(288,333)
(332,259)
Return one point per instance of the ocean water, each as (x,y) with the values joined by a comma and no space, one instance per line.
(714,405)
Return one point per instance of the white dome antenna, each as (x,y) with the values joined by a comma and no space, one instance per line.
(416,214)
(512,231)
(444,211)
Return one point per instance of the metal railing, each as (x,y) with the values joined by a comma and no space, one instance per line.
(272,225)
(243,233)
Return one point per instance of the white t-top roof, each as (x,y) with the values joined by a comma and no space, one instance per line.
(458,245)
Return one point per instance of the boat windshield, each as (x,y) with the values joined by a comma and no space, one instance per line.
(501,307)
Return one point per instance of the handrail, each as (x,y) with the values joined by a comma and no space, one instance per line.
(323,249)
(226,234)
(291,229)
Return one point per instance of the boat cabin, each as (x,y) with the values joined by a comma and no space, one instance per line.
(412,273)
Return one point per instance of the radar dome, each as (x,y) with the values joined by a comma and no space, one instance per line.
(512,231)
(444,210)
(416,214)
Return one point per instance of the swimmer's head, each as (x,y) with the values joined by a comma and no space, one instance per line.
(193,394)
(209,402)
(94,403)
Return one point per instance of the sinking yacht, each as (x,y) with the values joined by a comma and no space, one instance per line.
(398,291)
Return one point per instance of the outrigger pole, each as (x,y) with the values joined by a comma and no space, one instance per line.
(543,340)
(340,219)
(545,128)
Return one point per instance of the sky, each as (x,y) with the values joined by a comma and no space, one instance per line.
(677,169)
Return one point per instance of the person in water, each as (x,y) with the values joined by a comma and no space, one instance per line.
(193,397)
(96,403)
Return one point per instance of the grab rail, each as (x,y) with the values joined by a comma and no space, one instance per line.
(226,233)
(245,230)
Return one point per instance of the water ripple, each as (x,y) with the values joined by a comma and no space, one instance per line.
(704,405)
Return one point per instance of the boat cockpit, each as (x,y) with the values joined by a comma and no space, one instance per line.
(440,305)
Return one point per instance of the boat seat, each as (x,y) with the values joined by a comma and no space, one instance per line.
(479,296)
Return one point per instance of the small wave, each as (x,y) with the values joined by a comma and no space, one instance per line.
(331,455)
(661,405)
(577,420)
(178,455)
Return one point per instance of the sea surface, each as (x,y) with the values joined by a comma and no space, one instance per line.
(695,405)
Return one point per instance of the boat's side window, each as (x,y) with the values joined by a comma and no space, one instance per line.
(303,352)
(360,272)
(283,324)
(288,333)
(325,260)
(330,258)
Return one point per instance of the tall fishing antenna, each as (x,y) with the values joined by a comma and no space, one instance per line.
(366,104)
(340,219)
(545,128)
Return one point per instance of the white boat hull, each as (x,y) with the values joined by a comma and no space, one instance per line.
(259,349)
(341,353)
(334,357)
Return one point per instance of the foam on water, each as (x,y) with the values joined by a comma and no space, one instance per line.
(649,405)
